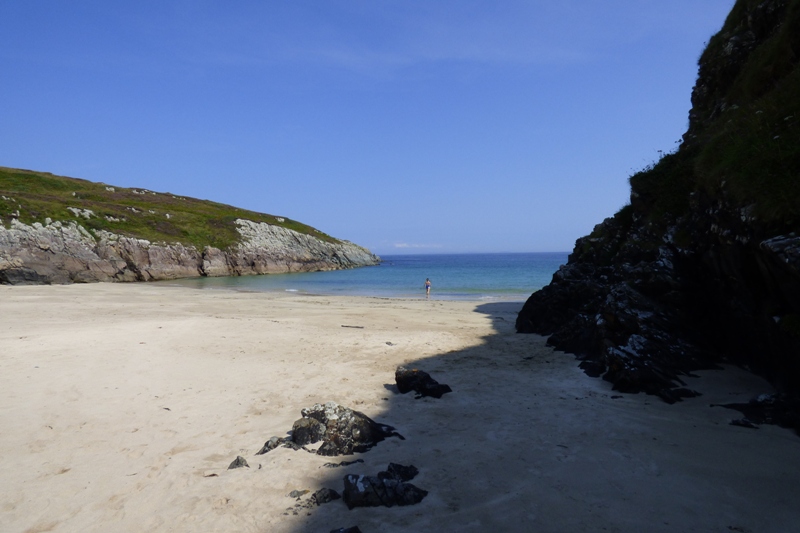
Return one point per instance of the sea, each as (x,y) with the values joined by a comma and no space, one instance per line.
(478,277)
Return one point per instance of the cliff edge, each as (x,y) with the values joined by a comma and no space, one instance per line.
(703,265)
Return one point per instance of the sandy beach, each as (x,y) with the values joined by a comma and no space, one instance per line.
(122,405)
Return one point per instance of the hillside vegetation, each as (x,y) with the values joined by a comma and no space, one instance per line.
(30,197)
(743,140)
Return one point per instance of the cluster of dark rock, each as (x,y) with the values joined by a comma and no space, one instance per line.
(343,431)
(619,307)
(388,488)
(645,313)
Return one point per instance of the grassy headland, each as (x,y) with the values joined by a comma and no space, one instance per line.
(31,196)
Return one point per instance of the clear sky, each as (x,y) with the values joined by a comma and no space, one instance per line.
(404,126)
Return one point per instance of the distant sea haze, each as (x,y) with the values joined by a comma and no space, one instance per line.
(508,277)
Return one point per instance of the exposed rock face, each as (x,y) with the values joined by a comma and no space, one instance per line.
(643,312)
(267,249)
(65,252)
(654,293)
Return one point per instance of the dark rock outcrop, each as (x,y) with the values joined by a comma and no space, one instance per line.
(703,266)
(342,431)
(422,383)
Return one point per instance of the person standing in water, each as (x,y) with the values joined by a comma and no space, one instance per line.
(427,286)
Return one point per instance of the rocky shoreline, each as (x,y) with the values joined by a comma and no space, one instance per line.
(66,252)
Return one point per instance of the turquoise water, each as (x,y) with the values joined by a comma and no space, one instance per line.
(510,277)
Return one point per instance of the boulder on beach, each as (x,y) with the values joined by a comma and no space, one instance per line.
(422,383)
(342,431)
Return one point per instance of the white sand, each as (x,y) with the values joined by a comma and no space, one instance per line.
(117,402)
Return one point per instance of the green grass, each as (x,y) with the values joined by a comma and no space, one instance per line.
(751,150)
(664,187)
(755,150)
(38,195)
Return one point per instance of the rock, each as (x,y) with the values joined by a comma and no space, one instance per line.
(265,249)
(353,529)
(345,431)
(341,430)
(308,431)
(275,442)
(399,472)
(372,491)
(298,493)
(271,444)
(65,252)
(239,462)
(325,495)
(342,463)
(420,382)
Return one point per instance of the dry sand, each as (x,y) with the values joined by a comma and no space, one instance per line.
(119,403)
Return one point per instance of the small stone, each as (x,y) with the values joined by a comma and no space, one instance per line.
(239,462)
(298,493)
(271,444)
(342,463)
(325,495)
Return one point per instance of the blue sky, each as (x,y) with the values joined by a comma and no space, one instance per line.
(404,126)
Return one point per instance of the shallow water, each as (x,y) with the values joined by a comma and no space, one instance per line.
(509,277)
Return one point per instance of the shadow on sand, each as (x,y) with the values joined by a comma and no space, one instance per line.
(527,442)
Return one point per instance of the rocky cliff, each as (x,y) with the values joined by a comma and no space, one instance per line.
(703,265)
(105,233)
(66,252)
